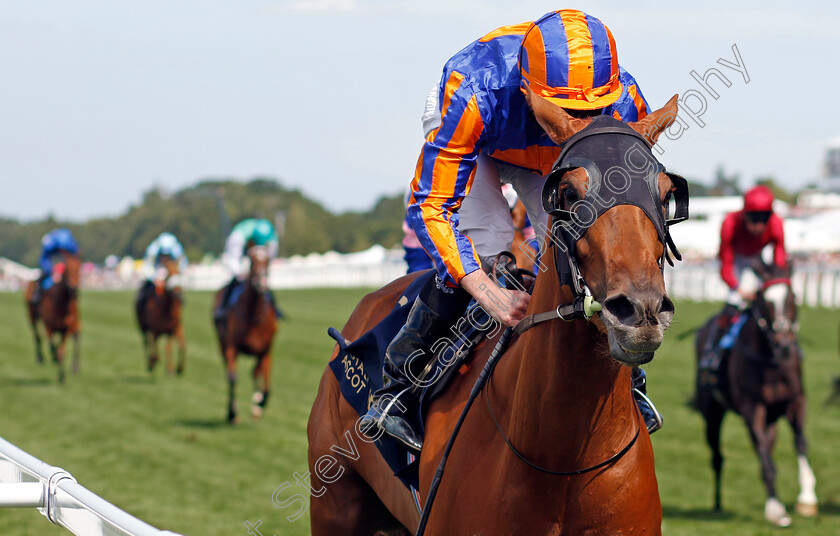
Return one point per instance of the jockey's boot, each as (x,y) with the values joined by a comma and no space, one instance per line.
(712,354)
(406,359)
(653,419)
(222,309)
(36,291)
(270,297)
(143,295)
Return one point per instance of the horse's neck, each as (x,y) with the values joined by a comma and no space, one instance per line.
(250,296)
(559,381)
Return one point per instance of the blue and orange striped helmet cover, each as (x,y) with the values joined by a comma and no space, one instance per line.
(570,58)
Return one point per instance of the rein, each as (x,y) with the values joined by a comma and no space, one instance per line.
(612,459)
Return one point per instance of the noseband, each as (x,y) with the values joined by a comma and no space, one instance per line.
(622,170)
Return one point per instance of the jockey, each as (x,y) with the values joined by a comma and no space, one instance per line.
(480,133)
(162,248)
(55,246)
(245,235)
(743,236)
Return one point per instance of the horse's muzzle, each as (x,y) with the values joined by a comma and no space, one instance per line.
(636,325)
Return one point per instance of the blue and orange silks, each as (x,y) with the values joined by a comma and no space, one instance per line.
(483,110)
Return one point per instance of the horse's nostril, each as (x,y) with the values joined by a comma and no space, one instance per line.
(667,305)
(621,308)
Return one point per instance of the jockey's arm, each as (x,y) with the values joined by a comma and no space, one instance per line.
(234,251)
(727,255)
(506,306)
(778,237)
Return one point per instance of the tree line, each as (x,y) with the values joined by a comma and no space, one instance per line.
(201,216)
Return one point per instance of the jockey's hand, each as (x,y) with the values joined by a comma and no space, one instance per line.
(747,295)
(506,306)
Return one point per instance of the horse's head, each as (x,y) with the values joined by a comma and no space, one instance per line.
(776,312)
(72,271)
(608,197)
(168,275)
(258,273)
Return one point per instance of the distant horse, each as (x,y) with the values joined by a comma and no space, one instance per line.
(57,310)
(561,395)
(761,380)
(159,314)
(524,257)
(249,328)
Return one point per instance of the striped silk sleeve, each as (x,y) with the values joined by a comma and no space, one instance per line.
(443,178)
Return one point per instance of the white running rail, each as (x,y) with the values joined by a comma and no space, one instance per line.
(27,482)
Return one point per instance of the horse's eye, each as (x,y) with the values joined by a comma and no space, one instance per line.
(667,198)
(570,195)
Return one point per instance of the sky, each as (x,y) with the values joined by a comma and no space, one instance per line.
(101,101)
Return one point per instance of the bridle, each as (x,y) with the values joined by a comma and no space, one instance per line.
(622,170)
(781,325)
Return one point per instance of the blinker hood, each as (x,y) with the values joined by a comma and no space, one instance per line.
(622,170)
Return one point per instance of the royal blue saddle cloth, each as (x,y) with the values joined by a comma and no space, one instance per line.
(358,369)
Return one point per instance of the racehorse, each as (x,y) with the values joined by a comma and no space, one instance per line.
(524,258)
(249,327)
(57,310)
(761,380)
(561,395)
(159,315)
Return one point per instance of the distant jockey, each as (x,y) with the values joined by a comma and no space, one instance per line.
(245,235)
(56,246)
(162,249)
(743,236)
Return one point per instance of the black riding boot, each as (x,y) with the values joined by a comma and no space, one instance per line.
(221,311)
(270,297)
(406,359)
(36,291)
(145,292)
(652,417)
(712,354)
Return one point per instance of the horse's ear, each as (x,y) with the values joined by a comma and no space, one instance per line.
(559,125)
(656,122)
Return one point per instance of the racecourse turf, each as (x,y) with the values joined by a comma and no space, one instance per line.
(159,446)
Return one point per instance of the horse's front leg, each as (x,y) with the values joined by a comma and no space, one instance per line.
(76,362)
(182,350)
(262,374)
(762,437)
(230,362)
(39,353)
(806,502)
(167,352)
(151,351)
(56,340)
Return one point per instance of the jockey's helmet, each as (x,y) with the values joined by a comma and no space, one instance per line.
(758,199)
(263,232)
(168,243)
(570,58)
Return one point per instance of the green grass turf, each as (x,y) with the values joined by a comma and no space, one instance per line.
(158,446)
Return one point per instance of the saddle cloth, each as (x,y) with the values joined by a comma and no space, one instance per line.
(358,369)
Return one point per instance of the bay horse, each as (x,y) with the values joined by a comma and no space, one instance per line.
(159,315)
(561,394)
(761,380)
(57,310)
(249,327)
